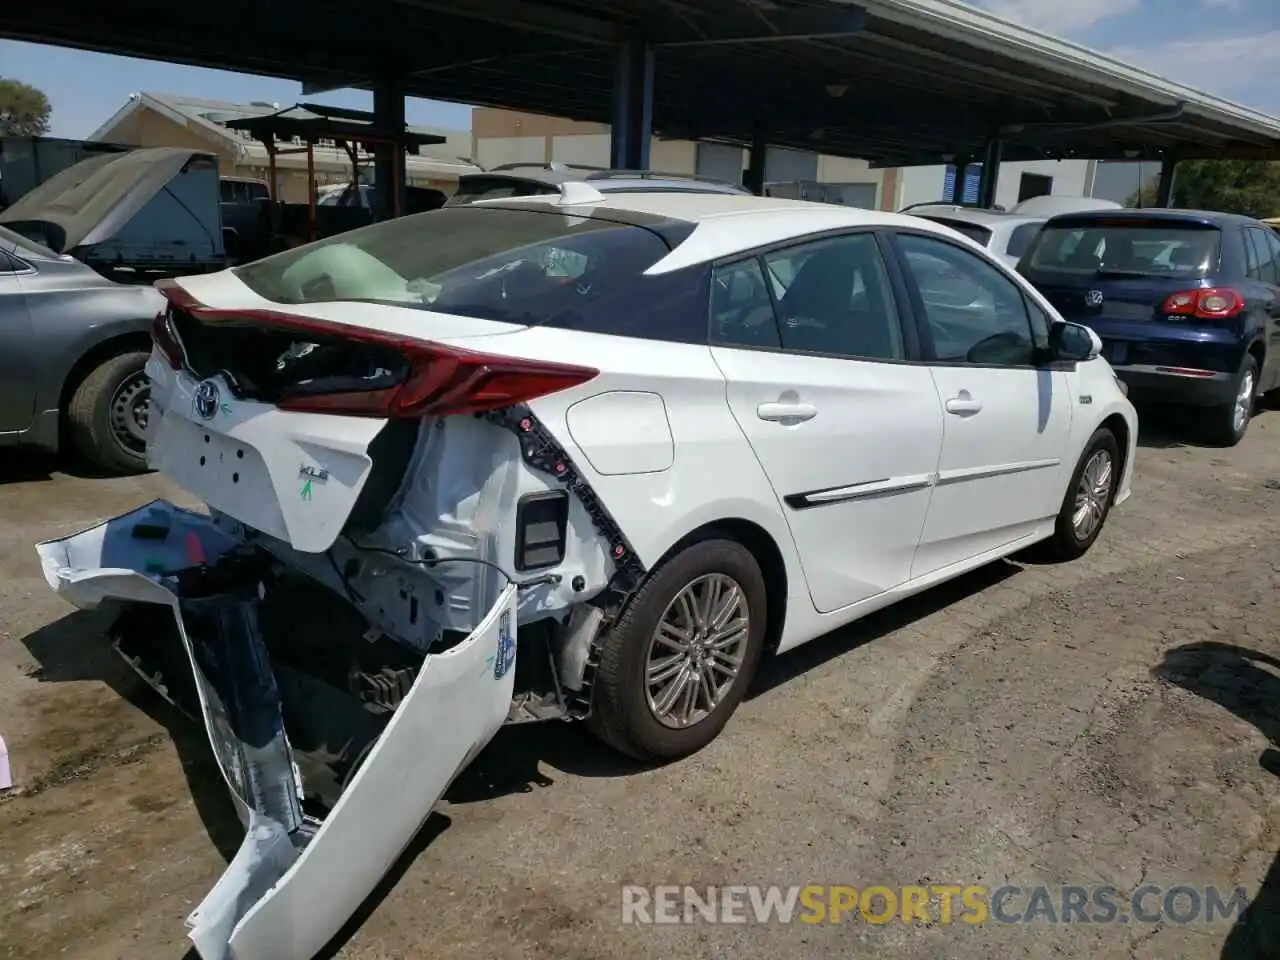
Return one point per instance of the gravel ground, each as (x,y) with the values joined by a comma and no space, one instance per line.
(1110,722)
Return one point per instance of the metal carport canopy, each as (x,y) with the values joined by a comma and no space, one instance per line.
(898,82)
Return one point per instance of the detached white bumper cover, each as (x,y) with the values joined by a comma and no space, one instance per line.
(292,886)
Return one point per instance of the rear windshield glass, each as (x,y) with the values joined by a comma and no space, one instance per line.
(1126,248)
(525,267)
(980,235)
(471,189)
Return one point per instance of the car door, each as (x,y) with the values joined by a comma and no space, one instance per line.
(17,383)
(817,360)
(1007,423)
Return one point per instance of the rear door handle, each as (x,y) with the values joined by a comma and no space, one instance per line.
(963,405)
(786,411)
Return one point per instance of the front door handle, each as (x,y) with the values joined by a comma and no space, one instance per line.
(963,405)
(795,411)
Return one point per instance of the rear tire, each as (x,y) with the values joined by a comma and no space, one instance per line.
(1087,502)
(700,598)
(1227,424)
(107,414)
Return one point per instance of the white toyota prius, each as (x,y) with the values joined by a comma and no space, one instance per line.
(570,456)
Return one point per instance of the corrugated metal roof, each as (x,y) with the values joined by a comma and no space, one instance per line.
(896,81)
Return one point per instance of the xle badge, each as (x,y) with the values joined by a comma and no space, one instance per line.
(311,475)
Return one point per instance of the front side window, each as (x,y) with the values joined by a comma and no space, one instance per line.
(533,267)
(833,296)
(974,313)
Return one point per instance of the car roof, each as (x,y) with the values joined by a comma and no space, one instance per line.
(727,224)
(555,174)
(975,215)
(1155,213)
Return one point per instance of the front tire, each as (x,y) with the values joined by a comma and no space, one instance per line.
(108,412)
(676,664)
(1088,499)
(1228,422)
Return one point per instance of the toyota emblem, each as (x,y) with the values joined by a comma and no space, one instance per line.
(1093,298)
(205,400)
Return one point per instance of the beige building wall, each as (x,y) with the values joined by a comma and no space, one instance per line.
(506,136)
(492,151)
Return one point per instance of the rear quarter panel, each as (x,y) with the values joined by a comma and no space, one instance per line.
(712,474)
(73,310)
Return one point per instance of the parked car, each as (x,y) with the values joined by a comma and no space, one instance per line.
(1007,235)
(134,216)
(562,457)
(545,179)
(1052,205)
(73,346)
(1187,303)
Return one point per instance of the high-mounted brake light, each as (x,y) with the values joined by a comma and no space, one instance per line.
(1210,303)
(441,380)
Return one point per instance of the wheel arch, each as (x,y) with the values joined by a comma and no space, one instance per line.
(1119,427)
(768,555)
(97,354)
(1258,350)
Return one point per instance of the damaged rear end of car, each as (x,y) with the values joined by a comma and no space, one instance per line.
(397,558)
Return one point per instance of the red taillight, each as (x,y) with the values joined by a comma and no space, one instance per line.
(1211,303)
(442,380)
(166,340)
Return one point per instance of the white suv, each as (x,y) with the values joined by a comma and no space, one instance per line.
(589,456)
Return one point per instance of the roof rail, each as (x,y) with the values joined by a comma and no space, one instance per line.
(623,174)
(549,165)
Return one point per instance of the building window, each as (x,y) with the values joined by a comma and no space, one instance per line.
(1034,185)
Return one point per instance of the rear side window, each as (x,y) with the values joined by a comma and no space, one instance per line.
(1126,248)
(471,189)
(1259,256)
(1020,239)
(529,267)
(979,235)
(833,296)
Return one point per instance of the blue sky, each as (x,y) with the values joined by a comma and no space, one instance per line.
(1230,48)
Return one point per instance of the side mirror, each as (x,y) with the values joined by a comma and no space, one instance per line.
(1074,341)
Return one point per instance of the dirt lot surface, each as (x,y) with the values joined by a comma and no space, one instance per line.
(1107,722)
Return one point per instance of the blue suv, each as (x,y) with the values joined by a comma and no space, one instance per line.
(1187,303)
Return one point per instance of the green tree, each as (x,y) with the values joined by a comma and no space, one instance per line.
(1250,187)
(24,110)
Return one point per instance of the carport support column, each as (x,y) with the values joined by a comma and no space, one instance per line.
(1164,191)
(990,173)
(388,158)
(632,121)
(754,180)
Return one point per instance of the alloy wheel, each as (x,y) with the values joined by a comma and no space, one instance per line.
(1092,494)
(696,653)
